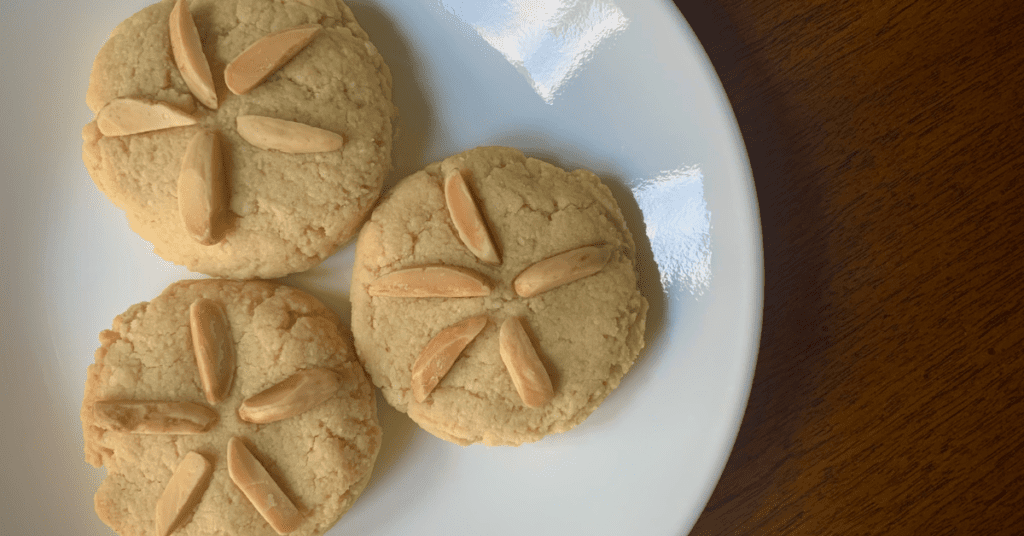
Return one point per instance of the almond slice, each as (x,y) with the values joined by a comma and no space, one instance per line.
(430,282)
(202,200)
(183,491)
(440,354)
(188,55)
(561,269)
(124,116)
(269,133)
(214,348)
(467,219)
(265,56)
(153,417)
(528,374)
(299,392)
(259,487)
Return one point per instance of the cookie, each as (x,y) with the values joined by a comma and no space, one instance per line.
(242,138)
(226,407)
(494,297)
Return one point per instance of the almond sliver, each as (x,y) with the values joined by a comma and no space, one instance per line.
(202,199)
(265,56)
(147,417)
(430,282)
(298,393)
(440,354)
(183,491)
(124,116)
(214,348)
(561,269)
(260,488)
(467,219)
(188,55)
(528,374)
(269,133)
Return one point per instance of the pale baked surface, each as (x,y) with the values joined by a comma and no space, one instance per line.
(322,458)
(288,212)
(588,333)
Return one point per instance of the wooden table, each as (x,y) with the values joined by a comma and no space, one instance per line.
(885,139)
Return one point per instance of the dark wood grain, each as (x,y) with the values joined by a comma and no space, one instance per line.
(885,139)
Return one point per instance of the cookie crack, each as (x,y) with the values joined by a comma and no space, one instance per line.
(293,318)
(309,90)
(480,396)
(550,214)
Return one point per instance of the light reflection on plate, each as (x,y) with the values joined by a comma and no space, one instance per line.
(545,40)
(680,231)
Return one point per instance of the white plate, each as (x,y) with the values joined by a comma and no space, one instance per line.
(622,88)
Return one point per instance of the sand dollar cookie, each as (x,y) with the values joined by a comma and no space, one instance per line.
(494,297)
(242,138)
(225,407)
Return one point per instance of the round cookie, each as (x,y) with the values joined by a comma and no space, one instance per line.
(147,414)
(587,329)
(283,212)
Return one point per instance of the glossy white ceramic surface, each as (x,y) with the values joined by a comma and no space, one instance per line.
(620,87)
